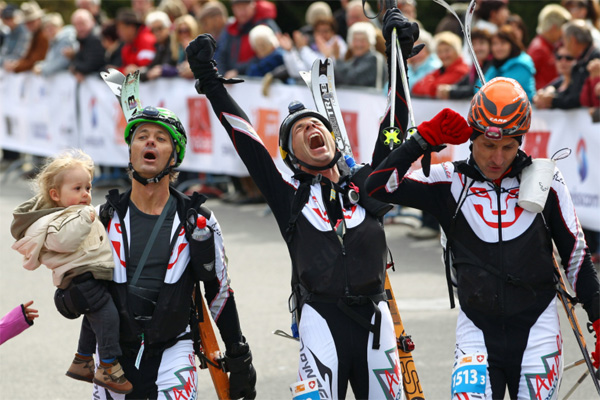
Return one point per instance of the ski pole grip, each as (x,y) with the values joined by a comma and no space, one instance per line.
(391,4)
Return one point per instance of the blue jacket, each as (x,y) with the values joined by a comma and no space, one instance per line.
(519,68)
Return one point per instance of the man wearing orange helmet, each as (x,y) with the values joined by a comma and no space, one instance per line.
(498,256)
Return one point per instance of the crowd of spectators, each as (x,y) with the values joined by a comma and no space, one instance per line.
(558,68)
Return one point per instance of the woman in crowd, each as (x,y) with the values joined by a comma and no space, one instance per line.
(482,43)
(185,28)
(448,49)
(510,61)
(367,67)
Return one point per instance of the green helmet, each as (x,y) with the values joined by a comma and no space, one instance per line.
(165,118)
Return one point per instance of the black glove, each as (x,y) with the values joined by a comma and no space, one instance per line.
(408,33)
(242,375)
(200,53)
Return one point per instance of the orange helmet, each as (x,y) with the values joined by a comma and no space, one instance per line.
(500,109)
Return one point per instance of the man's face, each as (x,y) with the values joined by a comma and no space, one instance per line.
(494,157)
(243,11)
(34,26)
(311,142)
(151,148)
(354,15)
(9,22)
(82,26)
(126,32)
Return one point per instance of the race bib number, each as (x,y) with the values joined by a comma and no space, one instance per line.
(469,374)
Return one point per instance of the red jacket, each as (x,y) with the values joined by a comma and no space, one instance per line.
(428,85)
(587,97)
(236,51)
(541,52)
(141,51)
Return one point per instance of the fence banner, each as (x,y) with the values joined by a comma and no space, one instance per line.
(43,116)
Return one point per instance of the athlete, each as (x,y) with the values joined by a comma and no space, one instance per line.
(153,288)
(498,255)
(337,247)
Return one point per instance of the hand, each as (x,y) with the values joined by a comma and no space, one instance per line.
(30,313)
(596,352)
(92,215)
(68,52)
(447,126)
(201,50)
(242,375)
(443,91)
(593,67)
(408,32)
(154,72)
(300,39)
(285,41)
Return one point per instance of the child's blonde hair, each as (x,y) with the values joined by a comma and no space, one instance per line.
(52,173)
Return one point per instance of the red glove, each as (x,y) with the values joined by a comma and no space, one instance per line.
(447,126)
(596,353)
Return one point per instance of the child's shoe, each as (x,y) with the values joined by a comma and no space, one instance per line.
(112,377)
(82,368)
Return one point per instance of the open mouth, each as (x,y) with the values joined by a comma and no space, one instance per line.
(149,155)
(315,141)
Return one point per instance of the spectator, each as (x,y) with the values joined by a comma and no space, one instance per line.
(450,23)
(424,62)
(163,64)
(16,321)
(95,7)
(317,10)
(578,41)
(590,93)
(59,38)
(408,8)
(173,8)
(355,13)
(326,42)
(89,59)
(268,53)
(482,43)
(142,8)
(520,28)
(185,29)
(17,38)
(112,45)
(339,16)
(448,49)
(193,7)
(366,67)
(564,65)
(587,10)
(510,61)
(236,52)
(32,17)
(138,49)
(491,14)
(549,32)
(213,18)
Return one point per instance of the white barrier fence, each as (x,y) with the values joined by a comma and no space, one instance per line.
(43,116)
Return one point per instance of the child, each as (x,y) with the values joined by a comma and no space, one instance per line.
(17,320)
(59,228)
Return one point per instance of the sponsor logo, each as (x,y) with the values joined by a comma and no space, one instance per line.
(389,378)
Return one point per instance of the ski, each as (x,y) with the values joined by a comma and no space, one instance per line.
(210,354)
(321,82)
(567,301)
(130,95)
(114,79)
(410,378)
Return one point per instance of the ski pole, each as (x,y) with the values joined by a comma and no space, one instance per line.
(392,132)
(569,307)
(576,385)
(574,364)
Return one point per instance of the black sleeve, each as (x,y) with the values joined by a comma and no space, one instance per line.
(90,58)
(249,146)
(228,321)
(381,150)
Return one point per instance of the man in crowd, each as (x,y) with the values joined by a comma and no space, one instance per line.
(89,59)
(32,18)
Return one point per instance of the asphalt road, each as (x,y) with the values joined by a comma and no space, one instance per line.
(33,364)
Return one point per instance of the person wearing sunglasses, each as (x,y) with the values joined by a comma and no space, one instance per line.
(498,255)
(564,65)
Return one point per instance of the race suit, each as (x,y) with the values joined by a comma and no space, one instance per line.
(502,265)
(346,331)
(167,369)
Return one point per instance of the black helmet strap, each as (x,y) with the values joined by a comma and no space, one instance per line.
(333,161)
